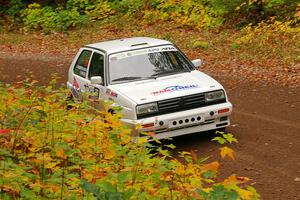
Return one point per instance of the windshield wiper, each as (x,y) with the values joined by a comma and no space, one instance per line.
(169,72)
(125,78)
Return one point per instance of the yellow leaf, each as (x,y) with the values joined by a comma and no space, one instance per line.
(226,151)
(109,153)
(297,14)
(233,179)
(51,165)
(138,126)
(180,169)
(245,194)
(207,190)
(142,140)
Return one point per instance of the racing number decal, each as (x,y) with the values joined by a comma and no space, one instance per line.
(96,92)
(94,98)
(93,91)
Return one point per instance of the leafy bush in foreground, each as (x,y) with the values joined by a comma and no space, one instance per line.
(49,152)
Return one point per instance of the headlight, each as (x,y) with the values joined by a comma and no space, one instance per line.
(214,96)
(146,108)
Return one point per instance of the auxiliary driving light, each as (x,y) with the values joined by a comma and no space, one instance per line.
(223,111)
(148,125)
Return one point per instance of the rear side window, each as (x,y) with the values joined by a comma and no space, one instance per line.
(96,66)
(82,63)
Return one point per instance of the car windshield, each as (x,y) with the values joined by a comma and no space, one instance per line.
(146,64)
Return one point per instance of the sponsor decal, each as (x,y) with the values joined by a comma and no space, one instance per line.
(76,91)
(75,83)
(174,88)
(81,68)
(162,49)
(96,92)
(111,93)
(120,56)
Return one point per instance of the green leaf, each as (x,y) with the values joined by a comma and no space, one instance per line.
(220,140)
(164,152)
(229,137)
(71,176)
(5,153)
(4,196)
(171,146)
(106,186)
(114,196)
(220,192)
(91,188)
(123,176)
(209,174)
(129,193)
(27,194)
(202,160)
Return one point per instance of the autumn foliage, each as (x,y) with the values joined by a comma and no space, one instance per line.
(58,15)
(50,152)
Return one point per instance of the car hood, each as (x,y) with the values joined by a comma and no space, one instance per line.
(166,87)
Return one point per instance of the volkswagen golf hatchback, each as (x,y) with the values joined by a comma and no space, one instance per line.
(158,88)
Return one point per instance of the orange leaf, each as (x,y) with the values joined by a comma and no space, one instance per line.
(226,151)
(60,153)
(194,155)
(151,134)
(214,166)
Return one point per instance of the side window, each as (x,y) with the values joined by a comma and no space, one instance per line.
(82,63)
(97,66)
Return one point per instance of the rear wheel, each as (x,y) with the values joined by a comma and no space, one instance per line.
(111,111)
(69,101)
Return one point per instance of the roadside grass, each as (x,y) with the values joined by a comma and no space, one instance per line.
(264,53)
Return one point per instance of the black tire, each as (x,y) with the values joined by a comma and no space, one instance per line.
(69,102)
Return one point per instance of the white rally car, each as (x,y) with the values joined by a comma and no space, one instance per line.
(158,87)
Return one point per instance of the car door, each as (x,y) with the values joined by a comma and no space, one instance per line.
(80,73)
(96,91)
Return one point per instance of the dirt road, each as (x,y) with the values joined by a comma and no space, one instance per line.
(266,121)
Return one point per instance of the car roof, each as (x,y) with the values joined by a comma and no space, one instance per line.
(126,44)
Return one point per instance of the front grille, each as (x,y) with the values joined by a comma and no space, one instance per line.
(182,103)
(169,104)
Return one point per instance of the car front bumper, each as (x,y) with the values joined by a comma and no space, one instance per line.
(183,122)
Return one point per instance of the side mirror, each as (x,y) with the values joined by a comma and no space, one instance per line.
(97,80)
(197,62)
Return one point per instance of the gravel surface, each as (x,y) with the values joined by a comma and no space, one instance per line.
(266,121)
